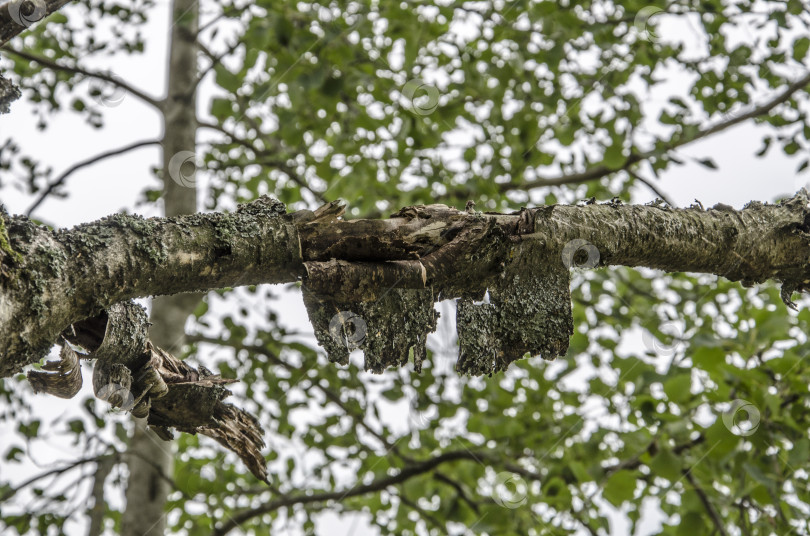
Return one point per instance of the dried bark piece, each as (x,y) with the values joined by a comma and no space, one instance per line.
(132,374)
(386,329)
(64,377)
(240,432)
(529,312)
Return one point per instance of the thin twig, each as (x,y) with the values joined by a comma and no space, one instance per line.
(718,523)
(281,166)
(600,171)
(651,186)
(10,493)
(116,81)
(406,473)
(90,161)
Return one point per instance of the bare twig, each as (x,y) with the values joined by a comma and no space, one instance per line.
(281,166)
(718,523)
(106,77)
(651,186)
(406,473)
(90,161)
(53,472)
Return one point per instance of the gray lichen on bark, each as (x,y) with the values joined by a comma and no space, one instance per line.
(529,313)
(8,94)
(388,330)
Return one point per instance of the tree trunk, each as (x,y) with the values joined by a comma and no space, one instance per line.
(150,458)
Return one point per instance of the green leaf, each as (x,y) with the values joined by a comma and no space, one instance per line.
(800,47)
(667,465)
(620,487)
(678,388)
(613,157)
(221,108)
(692,524)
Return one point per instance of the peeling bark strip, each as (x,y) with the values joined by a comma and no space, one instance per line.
(63,378)
(368,284)
(132,374)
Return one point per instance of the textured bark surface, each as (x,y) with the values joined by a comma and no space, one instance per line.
(368,285)
(56,278)
(8,94)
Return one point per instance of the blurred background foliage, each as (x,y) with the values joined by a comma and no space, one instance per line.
(386,104)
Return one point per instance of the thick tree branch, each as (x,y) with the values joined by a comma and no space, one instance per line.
(75,69)
(77,283)
(16,16)
(453,253)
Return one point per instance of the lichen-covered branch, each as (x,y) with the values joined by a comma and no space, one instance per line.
(57,278)
(368,284)
(8,94)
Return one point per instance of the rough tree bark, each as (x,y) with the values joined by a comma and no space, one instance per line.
(149,458)
(54,278)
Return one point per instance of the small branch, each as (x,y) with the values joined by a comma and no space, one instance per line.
(651,186)
(635,462)
(328,393)
(584,522)
(718,522)
(83,164)
(422,512)
(441,477)
(215,60)
(10,493)
(407,472)
(281,166)
(599,171)
(45,62)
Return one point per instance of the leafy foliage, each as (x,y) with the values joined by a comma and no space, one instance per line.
(683,397)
